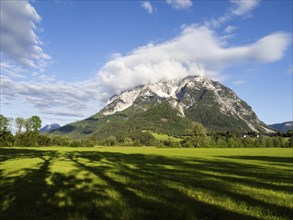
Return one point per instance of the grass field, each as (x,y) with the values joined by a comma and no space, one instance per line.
(165,137)
(145,183)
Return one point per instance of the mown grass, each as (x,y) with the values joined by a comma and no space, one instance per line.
(145,183)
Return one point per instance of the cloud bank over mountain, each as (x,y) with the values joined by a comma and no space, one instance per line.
(197,50)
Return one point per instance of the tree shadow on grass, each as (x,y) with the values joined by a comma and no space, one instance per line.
(150,174)
(40,194)
(283,161)
(146,194)
(136,186)
(247,174)
(21,196)
(17,153)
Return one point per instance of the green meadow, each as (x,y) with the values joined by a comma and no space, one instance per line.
(145,183)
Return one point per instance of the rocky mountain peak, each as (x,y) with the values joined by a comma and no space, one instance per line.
(163,90)
(187,96)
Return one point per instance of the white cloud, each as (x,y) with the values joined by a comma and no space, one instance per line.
(51,96)
(147,6)
(196,50)
(62,113)
(19,41)
(229,29)
(8,68)
(46,78)
(244,7)
(239,82)
(179,4)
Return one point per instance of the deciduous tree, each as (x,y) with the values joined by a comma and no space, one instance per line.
(4,122)
(36,123)
(198,135)
(19,124)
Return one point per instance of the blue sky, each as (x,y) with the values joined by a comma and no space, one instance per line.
(61,60)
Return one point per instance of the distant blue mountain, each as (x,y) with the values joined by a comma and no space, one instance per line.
(282,127)
(48,128)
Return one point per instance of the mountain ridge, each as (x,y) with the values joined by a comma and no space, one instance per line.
(49,127)
(282,127)
(173,105)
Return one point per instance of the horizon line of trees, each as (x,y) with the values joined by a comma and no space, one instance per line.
(27,131)
(199,138)
(33,123)
(27,134)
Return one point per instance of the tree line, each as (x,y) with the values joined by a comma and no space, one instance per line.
(197,136)
(27,131)
(27,134)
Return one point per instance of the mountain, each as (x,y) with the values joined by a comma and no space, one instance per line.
(282,127)
(169,107)
(49,127)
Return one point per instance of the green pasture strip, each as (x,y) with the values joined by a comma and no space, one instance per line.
(165,137)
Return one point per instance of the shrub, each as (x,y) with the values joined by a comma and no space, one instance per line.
(110,141)
(87,143)
(128,141)
(144,138)
(169,143)
(6,139)
(198,135)
(27,139)
(75,143)
(290,142)
(44,140)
